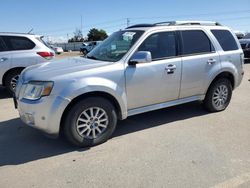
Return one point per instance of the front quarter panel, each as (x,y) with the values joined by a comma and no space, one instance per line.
(110,81)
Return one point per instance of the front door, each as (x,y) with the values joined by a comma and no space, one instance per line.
(158,81)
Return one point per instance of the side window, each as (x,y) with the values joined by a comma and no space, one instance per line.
(161,45)
(195,42)
(18,43)
(226,39)
(2,45)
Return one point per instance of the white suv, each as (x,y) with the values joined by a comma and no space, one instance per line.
(18,51)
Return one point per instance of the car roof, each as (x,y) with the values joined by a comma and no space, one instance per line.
(18,34)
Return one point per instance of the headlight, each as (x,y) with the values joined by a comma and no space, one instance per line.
(37,89)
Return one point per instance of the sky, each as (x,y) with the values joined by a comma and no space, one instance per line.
(58,19)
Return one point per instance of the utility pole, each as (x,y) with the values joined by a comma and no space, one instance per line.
(81,24)
(128,22)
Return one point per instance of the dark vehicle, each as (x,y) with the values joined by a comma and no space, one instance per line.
(245,45)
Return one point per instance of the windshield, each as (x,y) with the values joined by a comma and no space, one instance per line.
(115,46)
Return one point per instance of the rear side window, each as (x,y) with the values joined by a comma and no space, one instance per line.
(2,46)
(161,45)
(40,39)
(18,43)
(195,42)
(226,39)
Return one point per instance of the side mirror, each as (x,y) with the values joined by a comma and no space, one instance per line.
(140,57)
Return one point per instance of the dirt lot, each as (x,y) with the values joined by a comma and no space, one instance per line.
(181,146)
(68,54)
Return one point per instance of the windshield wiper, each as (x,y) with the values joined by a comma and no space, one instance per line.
(91,57)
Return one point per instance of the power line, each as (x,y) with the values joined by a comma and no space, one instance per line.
(196,15)
(128,21)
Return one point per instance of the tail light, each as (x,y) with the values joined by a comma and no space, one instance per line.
(46,55)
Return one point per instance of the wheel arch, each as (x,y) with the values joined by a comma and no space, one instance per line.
(10,70)
(225,74)
(101,94)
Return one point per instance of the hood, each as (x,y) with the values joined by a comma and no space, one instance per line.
(49,70)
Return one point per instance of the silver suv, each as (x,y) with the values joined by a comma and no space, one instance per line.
(142,68)
(18,51)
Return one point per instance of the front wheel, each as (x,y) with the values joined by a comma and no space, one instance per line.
(84,52)
(218,95)
(90,122)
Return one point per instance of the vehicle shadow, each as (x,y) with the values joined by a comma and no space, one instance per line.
(159,118)
(20,144)
(4,93)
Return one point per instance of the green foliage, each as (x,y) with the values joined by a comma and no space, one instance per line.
(95,34)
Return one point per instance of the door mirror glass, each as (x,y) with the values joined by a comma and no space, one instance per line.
(140,57)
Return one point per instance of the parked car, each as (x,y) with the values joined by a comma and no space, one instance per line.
(87,47)
(239,34)
(57,49)
(18,51)
(142,68)
(245,44)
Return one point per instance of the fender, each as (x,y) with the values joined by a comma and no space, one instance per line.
(97,84)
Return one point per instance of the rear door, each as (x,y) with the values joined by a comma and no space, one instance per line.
(200,62)
(21,50)
(5,59)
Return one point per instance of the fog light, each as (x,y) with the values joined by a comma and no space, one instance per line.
(29,118)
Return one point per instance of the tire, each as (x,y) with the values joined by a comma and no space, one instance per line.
(79,129)
(84,52)
(11,80)
(218,95)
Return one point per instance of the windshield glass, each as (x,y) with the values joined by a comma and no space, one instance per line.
(115,46)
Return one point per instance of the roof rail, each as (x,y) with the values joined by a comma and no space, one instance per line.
(208,23)
(16,33)
(141,25)
(173,23)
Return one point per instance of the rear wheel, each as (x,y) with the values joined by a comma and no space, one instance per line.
(11,80)
(90,122)
(218,95)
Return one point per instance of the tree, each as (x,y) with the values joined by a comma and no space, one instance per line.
(95,34)
(78,36)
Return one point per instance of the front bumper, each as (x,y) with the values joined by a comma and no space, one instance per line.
(44,114)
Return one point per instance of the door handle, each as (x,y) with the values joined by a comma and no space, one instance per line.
(170,69)
(211,61)
(3,59)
